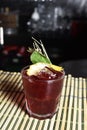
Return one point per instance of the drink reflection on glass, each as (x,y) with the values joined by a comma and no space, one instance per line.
(42,91)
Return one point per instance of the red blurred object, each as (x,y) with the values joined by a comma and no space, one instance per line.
(7,49)
(19,50)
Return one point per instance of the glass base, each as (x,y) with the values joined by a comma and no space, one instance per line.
(35,115)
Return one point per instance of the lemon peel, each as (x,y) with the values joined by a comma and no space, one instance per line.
(55,67)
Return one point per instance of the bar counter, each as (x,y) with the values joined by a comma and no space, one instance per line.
(72,111)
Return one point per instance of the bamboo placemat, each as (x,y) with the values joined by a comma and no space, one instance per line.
(72,111)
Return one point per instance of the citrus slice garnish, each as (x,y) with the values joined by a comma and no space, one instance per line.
(55,67)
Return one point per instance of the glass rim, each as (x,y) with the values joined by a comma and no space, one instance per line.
(44,80)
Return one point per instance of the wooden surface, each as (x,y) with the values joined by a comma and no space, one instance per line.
(71,115)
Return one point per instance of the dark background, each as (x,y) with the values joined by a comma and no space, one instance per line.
(67,42)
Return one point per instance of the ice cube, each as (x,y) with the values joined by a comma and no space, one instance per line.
(36,68)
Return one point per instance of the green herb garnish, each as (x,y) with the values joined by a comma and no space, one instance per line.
(38,53)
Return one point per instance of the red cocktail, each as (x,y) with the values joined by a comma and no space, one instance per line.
(42,92)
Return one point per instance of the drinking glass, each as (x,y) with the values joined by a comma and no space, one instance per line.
(42,96)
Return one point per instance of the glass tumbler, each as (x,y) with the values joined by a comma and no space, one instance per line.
(42,96)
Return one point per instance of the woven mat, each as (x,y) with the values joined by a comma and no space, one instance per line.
(71,115)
